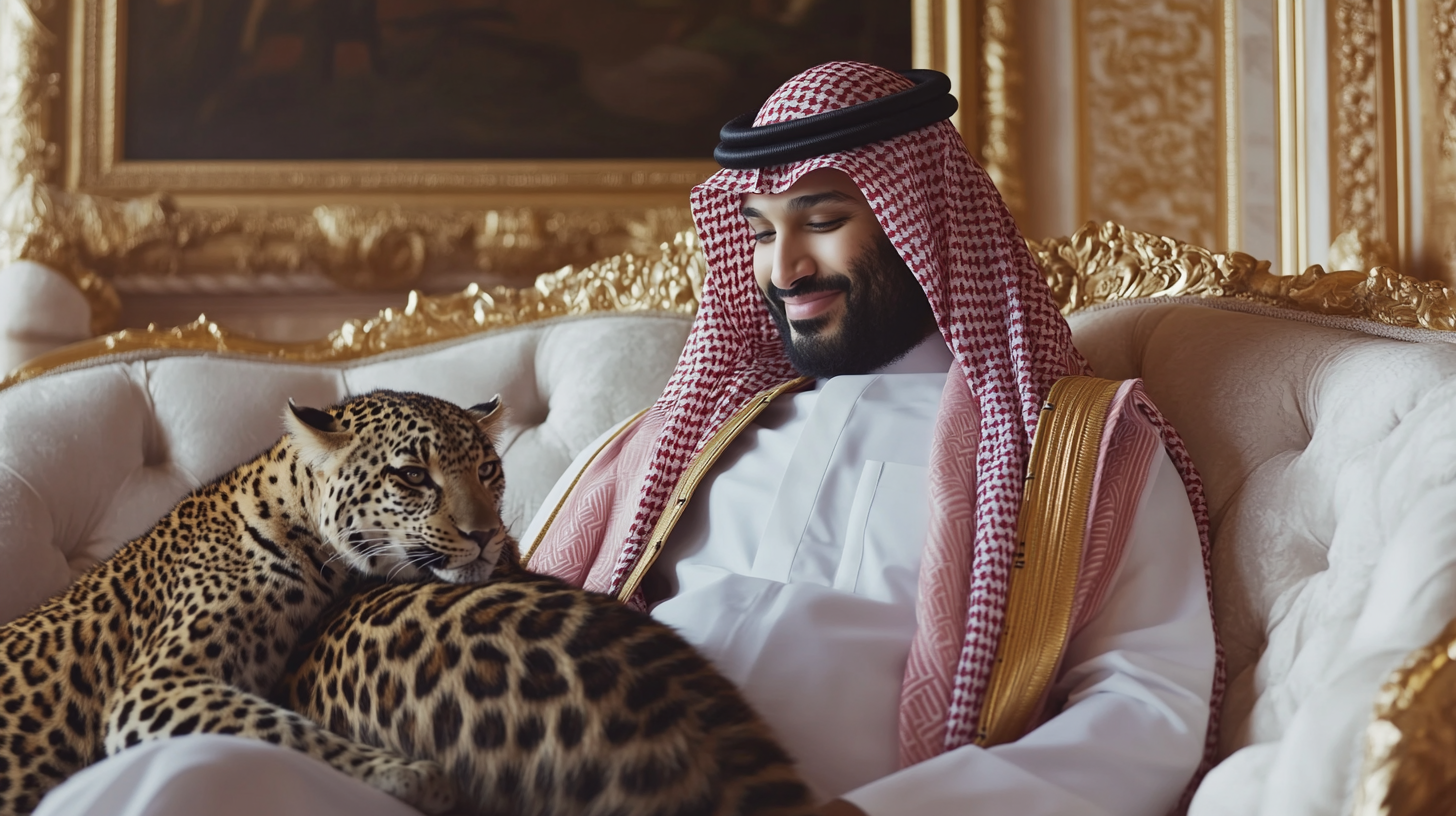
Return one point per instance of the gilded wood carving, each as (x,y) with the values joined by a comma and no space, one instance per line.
(1108,262)
(1408,768)
(1099,263)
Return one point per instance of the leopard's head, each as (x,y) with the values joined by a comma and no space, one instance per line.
(406,486)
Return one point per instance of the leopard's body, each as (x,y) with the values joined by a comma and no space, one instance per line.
(187,627)
(541,699)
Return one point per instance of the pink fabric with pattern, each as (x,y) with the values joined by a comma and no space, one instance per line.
(946,219)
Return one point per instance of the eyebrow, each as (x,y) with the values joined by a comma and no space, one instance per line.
(803,202)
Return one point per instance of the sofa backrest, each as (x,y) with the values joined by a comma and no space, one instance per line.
(1329,460)
(91,458)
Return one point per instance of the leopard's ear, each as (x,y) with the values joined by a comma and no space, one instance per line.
(487,414)
(315,433)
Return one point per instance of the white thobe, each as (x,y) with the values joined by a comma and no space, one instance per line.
(795,570)
(804,594)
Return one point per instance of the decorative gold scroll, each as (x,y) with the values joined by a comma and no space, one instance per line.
(668,282)
(1106,262)
(1408,768)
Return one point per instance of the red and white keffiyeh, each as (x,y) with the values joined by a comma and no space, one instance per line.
(946,219)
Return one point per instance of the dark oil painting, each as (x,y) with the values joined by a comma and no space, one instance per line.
(473,79)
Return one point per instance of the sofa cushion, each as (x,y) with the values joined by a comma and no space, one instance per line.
(1329,458)
(91,458)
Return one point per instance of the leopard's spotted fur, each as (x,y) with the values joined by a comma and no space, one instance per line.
(185,627)
(541,699)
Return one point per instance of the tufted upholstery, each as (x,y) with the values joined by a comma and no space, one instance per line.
(1329,455)
(91,458)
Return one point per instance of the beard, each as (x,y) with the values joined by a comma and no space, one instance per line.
(885,315)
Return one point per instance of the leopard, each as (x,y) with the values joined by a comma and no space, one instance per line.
(541,698)
(188,627)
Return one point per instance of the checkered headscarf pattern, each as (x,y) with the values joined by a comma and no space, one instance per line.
(946,219)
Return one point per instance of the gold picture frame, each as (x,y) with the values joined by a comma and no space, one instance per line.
(72,202)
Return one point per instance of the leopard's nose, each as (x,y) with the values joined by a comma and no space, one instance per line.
(481,537)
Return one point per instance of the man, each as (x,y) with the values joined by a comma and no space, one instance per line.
(838,499)
(842,546)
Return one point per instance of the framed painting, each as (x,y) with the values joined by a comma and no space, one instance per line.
(393,144)
(464,96)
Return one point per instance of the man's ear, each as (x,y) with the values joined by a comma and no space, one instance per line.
(487,414)
(315,433)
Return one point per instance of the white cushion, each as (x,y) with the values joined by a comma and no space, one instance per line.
(40,310)
(91,458)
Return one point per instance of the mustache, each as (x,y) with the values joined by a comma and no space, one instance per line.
(805,286)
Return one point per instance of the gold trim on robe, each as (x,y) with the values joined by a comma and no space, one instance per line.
(1052,525)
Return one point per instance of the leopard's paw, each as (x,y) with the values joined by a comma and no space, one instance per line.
(423,785)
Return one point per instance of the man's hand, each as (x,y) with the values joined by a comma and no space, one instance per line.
(839,807)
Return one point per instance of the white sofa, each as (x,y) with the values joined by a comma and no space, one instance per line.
(1326,443)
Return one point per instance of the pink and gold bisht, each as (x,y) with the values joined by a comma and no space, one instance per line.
(995,531)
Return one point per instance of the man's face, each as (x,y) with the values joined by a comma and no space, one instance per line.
(843,300)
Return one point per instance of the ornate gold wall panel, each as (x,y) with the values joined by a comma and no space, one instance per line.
(1368,207)
(1438,102)
(999,124)
(974,41)
(1355,169)
(1149,92)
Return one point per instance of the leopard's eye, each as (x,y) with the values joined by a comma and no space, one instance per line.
(488,471)
(416,476)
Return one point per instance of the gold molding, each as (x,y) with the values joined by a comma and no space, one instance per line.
(669,281)
(1407,768)
(1151,144)
(1438,106)
(941,31)
(1100,263)
(999,125)
(1293,135)
(1231,202)
(974,43)
(1368,147)
(1354,105)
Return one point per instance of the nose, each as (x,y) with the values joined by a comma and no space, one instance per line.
(791,262)
(481,537)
